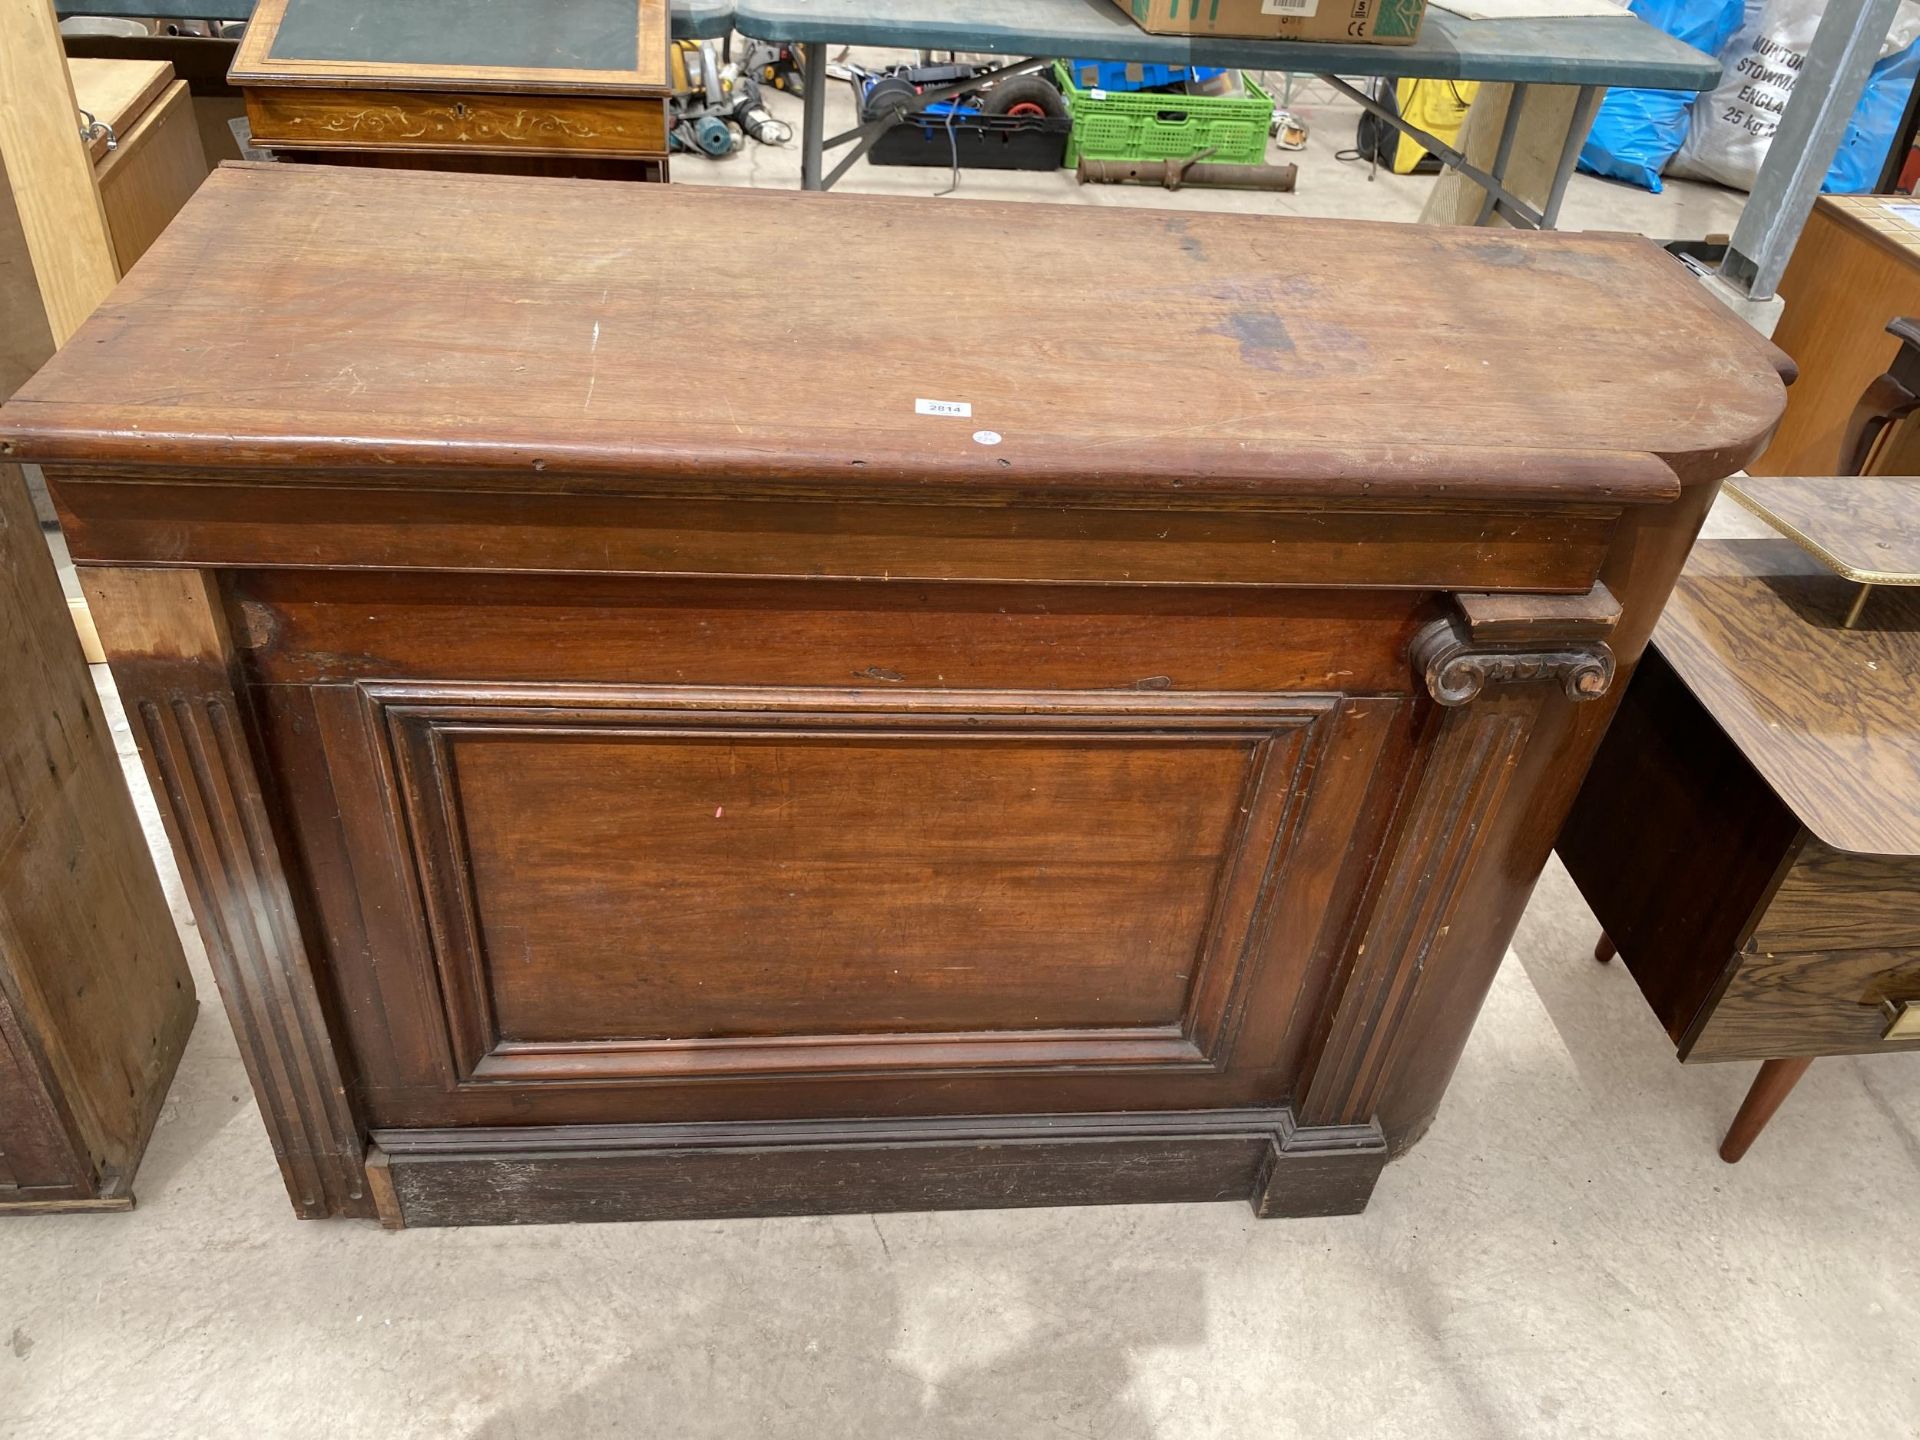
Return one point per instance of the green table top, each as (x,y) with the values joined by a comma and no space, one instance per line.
(1579,51)
(690,19)
(554,35)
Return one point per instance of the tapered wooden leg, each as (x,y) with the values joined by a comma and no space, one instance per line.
(1772,1085)
(1603,950)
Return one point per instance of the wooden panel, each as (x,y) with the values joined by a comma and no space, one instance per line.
(166,638)
(646,1172)
(901,879)
(301,627)
(26,341)
(51,177)
(1516,619)
(1423,548)
(1843,284)
(117,93)
(1676,843)
(496,331)
(1831,900)
(37,1151)
(152,173)
(401,120)
(1829,717)
(1467,768)
(91,961)
(1807,1004)
(1242,1011)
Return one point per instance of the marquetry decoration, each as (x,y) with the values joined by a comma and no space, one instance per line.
(398,120)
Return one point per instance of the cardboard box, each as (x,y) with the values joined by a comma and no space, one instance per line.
(1377,22)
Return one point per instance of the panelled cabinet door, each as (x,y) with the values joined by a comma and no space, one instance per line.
(723,889)
(677,886)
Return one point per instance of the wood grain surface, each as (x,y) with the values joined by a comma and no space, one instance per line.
(516,325)
(1676,843)
(1852,271)
(167,639)
(50,177)
(1829,717)
(1004,536)
(116,93)
(154,170)
(1831,900)
(92,977)
(1818,1003)
(1865,527)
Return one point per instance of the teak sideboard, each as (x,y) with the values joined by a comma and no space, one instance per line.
(1047,722)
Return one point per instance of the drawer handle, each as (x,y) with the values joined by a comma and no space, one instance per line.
(1903,1019)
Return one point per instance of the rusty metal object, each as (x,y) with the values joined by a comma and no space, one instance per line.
(1192,171)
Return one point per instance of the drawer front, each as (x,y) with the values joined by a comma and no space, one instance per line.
(1830,900)
(1837,1002)
(431,120)
(926,841)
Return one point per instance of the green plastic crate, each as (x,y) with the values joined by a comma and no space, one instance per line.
(1116,125)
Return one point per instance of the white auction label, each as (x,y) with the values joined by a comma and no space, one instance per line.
(959,408)
(986,437)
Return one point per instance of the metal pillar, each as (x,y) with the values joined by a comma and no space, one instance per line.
(1844,48)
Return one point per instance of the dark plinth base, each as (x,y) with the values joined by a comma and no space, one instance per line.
(663,1172)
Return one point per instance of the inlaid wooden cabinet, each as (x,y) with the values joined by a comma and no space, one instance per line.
(611,801)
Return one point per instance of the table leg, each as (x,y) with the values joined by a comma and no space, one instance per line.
(813,113)
(1772,1085)
(1604,949)
(1859,604)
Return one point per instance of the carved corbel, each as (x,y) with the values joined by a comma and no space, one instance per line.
(1515,639)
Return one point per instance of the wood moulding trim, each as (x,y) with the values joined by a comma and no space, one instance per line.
(224,839)
(166,639)
(1050,472)
(1488,696)
(925,534)
(421,722)
(1461,788)
(740,1168)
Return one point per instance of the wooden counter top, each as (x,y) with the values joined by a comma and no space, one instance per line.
(531,329)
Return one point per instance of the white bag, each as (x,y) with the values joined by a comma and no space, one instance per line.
(1734,123)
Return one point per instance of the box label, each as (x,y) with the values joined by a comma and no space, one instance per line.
(1299,8)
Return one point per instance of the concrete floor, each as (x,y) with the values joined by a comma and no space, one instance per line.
(1563,1255)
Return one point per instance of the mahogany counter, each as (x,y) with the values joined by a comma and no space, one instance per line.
(614,789)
